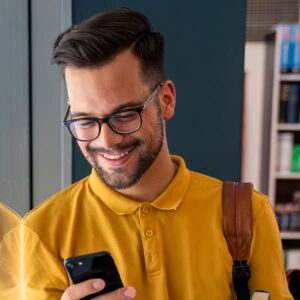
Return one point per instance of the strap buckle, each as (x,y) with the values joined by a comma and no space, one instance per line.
(241,270)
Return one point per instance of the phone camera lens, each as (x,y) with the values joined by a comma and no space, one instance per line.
(70,265)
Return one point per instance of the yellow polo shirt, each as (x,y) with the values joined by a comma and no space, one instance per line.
(172,248)
(10,263)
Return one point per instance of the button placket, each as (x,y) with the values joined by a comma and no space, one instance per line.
(149,239)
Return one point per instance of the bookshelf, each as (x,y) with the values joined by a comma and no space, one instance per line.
(289,77)
(288,127)
(287,235)
(295,176)
(284,182)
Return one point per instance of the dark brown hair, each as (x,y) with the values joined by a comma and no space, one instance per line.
(97,40)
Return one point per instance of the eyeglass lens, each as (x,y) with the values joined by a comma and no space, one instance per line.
(89,129)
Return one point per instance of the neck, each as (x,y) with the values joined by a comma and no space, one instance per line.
(154,181)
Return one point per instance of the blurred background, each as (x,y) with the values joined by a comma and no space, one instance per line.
(234,90)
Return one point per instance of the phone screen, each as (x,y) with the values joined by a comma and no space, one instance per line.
(94,265)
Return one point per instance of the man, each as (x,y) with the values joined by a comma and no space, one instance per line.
(160,222)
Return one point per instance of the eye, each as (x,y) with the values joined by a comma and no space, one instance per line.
(126,116)
(85,124)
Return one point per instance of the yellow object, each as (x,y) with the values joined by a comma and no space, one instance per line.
(10,264)
(172,248)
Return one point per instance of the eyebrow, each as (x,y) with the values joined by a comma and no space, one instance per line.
(118,108)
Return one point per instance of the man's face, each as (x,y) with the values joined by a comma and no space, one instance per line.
(120,160)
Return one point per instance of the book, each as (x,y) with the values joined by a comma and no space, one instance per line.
(295,45)
(282,217)
(285,48)
(289,48)
(295,158)
(294,223)
(288,213)
(288,216)
(283,102)
(289,102)
(292,113)
(284,151)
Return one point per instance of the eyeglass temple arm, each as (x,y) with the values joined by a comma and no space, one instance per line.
(67,114)
(152,96)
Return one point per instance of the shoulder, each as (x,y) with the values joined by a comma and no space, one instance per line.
(260,204)
(9,219)
(204,192)
(46,227)
(58,204)
(201,184)
(205,181)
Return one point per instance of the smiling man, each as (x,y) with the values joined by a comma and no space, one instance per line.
(161,222)
(130,140)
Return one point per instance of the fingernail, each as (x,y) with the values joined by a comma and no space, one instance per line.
(98,284)
(130,292)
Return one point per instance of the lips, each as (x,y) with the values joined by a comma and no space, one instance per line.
(114,156)
(115,159)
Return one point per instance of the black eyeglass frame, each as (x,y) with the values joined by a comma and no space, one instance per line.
(100,121)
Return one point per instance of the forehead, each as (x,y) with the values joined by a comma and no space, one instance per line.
(123,72)
(107,86)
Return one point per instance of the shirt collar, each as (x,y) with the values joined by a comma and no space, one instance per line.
(170,198)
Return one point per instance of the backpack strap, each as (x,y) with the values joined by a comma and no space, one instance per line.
(293,279)
(237,226)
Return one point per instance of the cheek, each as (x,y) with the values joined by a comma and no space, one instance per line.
(153,123)
(83,147)
(145,132)
(149,121)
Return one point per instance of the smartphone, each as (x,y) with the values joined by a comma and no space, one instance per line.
(94,265)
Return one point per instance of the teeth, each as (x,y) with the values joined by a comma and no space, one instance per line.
(115,157)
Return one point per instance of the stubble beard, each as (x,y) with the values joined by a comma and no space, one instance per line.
(122,178)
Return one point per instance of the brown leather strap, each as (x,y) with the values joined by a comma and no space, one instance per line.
(292,272)
(237,218)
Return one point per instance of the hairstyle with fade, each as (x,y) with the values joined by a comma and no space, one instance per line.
(97,40)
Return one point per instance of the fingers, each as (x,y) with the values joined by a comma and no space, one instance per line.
(89,287)
(82,289)
(126,293)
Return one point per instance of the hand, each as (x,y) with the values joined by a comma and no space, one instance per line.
(89,287)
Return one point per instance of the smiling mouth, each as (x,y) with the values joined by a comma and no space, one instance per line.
(115,156)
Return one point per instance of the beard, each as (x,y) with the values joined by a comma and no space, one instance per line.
(123,177)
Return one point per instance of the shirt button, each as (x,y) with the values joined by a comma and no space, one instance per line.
(145,210)
(148,233)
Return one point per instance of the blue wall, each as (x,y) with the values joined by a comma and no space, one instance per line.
(205,59)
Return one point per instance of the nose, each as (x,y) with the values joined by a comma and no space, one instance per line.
(108,138)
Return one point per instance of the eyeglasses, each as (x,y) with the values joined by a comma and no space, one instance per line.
(123,122)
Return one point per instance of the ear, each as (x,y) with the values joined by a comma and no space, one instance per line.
(168,99)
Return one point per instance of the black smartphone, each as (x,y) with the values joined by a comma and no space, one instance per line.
(94,265)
